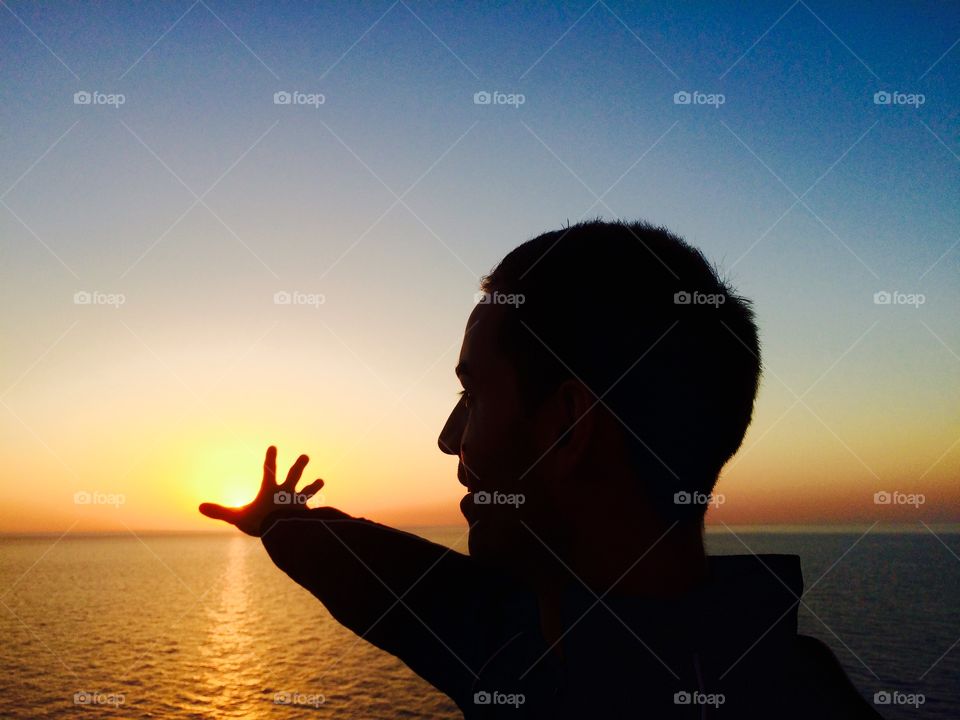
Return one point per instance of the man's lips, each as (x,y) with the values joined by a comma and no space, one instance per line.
(462,476)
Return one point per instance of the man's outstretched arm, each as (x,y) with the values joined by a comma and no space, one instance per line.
(425,603)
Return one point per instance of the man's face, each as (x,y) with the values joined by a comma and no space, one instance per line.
(495,441)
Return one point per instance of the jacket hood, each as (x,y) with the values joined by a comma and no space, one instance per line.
(720,650)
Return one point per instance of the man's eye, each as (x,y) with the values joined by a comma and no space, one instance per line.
(466,396)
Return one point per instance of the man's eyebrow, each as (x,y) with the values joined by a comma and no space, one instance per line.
(462,369)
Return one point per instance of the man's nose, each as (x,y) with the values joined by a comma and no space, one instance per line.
(445,448)
(449,440)
(448,445)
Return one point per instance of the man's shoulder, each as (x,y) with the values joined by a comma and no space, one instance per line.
(824,683)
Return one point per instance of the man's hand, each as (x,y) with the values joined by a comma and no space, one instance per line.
(271,496)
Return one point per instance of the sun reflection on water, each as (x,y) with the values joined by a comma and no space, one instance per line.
(233,679)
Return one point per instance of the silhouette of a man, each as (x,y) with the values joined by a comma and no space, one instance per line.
(609,373)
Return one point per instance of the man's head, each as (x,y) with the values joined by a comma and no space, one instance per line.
(608,368)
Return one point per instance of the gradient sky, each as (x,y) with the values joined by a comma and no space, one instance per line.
(199,198)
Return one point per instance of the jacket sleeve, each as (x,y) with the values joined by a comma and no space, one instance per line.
(430,606)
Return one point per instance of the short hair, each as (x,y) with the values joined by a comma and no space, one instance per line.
(648,324)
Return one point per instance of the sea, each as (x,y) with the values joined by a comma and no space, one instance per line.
(204,626)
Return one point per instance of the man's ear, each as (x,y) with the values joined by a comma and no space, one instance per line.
(575,409)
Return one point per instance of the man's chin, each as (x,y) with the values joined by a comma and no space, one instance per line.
(477,544)
(493,544)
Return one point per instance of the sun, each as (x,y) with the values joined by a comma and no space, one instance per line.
(238,492)
(226,475)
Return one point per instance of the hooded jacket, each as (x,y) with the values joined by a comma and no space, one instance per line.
(727,649)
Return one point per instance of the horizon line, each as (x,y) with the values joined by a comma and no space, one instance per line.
(782,528)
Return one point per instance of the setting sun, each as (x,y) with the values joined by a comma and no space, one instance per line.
(226,475)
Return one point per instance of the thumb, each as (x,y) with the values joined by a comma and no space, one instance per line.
(219,512)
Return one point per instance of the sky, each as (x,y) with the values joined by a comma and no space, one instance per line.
(229,225)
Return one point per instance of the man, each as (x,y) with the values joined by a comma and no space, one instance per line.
(609,373)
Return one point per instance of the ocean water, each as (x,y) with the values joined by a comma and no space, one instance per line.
(206,626)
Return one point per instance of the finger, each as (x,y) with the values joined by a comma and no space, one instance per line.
(296,470)
(269,469)
(219,512)
(312,489)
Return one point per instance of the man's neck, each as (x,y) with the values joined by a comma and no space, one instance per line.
(668,563)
